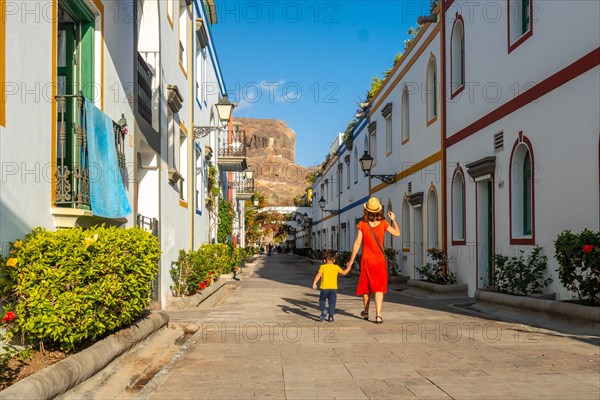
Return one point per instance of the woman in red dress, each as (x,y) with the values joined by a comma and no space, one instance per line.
(373,267)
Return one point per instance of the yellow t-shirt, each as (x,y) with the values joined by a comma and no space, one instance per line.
(329,273)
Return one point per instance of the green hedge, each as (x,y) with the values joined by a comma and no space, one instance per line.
(194,270)
(74,285)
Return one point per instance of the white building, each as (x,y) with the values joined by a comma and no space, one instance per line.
(54,55)
(149,66)
(522,128)
(197,158)
(490,133)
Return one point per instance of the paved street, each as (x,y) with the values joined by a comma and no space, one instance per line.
(262,339)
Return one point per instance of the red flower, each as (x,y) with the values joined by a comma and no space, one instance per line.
(9,316)
(210,273)
(207,281)
(202,285)
(588,248)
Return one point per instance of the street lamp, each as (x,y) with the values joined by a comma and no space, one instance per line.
(366,163)
(322,205)
(224,109)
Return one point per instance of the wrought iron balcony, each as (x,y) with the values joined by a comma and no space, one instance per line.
(244,188)
(144,92)
(72,170)
(231,151)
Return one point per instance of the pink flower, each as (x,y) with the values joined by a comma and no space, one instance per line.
(588,248)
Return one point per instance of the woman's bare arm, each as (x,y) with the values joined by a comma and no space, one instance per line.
(393,228)
(355,248)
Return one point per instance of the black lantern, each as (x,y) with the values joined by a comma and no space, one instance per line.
(366,163)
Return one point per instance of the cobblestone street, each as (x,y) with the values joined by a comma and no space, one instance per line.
(263,339)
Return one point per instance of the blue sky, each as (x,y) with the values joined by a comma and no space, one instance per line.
(308,62)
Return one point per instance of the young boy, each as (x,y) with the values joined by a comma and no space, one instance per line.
(328,273)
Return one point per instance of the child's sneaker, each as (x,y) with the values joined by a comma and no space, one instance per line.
(323,316)
(331,319)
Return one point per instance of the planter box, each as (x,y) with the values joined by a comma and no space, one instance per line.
(537,305)
(73,370)
(425,289)
(398,278)
(183,303)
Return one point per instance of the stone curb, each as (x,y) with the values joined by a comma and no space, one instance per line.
(191,302)
(68,373)
(557,308)
(461,288)
(182,303)
(151,386)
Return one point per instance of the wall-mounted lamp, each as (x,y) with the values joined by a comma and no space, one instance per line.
(322,205)
(366,163)
(224,109)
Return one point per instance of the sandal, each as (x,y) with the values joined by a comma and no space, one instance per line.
(378,319)
(364,314)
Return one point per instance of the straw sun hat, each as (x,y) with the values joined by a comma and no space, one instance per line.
(373,205)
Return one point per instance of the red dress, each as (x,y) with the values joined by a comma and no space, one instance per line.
(373,267)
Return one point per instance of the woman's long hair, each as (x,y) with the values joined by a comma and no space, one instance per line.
(373,216)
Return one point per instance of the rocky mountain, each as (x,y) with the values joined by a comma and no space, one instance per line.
(271,155)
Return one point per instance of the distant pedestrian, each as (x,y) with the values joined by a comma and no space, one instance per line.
(373,267)
(328,274)
(269,249)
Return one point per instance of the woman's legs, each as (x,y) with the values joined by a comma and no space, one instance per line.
(378,302)
(366,302)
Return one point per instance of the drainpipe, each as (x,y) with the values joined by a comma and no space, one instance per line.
(160,169)
(442,19)
(192,145)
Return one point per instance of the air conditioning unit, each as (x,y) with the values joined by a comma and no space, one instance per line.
(201,33)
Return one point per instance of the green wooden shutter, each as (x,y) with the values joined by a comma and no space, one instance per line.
(527,190)
(525,17)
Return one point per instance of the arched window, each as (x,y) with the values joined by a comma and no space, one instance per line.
(458,208)
(355,165)
(432,219)
(405,116)
(406,245)
(431,90)
(522,194)
(457,55)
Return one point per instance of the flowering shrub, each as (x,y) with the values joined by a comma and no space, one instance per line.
(6,351)
(519,275)
(434,272)
(578,257)
(196,270)
(73,285)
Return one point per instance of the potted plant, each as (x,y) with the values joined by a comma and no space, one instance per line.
(437,280)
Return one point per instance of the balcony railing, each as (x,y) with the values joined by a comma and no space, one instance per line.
(72,170)
(231,151)
(144,93)
(148,224)
(244,188)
